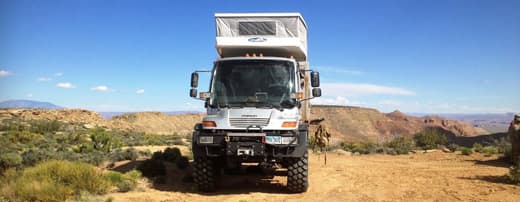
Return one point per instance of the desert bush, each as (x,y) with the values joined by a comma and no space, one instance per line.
(466,151)
(57,181)
(145,153)
(400,145)
(103,141)
(477,147)
(429,139)
(44,126)
(514,174)
(10,160)
(127,154)
(33,156)
(504,147)
(183,162)
(453,147)
(489,150)
(124,182)
(360,147)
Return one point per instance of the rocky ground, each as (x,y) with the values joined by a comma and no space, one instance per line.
(435,176)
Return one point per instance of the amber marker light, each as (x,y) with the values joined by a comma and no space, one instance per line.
(300,95)
(209,124)
(289,124)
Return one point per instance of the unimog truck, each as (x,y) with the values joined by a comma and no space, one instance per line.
(258,99)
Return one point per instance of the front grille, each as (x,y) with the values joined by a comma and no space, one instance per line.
(246,122)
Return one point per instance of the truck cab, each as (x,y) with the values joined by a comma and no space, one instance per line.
(257,103)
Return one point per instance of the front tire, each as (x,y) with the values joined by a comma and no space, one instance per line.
(204,173)
(297,174)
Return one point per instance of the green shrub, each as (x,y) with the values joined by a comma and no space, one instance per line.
(503,146)
(466,151)
(477,147)
(57,181)
(453,147)
(429,139)
(490,150)
(124,182)
(33,156)
(103,141)
(127,154)
(400,145)
(44,126)
(359,147)
(10,160)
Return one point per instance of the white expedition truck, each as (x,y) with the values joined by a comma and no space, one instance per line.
(257,104)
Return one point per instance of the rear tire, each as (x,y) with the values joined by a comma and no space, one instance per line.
(297,174)
(204,174)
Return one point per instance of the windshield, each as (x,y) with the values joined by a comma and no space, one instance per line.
(253,83)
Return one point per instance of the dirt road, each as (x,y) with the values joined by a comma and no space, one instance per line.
(435,176)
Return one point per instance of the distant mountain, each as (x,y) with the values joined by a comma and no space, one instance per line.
(110,115)
(28,104)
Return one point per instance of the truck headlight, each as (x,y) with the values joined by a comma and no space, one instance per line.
(287,140)
(206,139)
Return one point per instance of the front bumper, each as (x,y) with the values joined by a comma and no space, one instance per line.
(249,145)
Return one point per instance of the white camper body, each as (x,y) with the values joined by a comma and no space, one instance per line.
(272,34)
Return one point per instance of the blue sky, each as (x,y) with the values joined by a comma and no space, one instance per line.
(438,56)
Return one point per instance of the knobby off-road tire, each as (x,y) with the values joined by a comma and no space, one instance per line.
(204,174)
(297,174)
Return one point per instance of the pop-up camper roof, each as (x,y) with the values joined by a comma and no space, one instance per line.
(269,34)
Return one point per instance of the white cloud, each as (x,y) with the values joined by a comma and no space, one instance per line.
(44,79)
(102,88)
(360,89)
(29,95)
(65,85)
(4,73)
(58,74)
(140,91)
(338,100)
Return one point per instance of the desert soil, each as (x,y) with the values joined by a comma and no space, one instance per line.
(434,176)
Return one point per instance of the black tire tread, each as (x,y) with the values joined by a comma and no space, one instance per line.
(297,174)
(204,174)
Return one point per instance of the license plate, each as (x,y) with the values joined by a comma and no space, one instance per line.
(273,139)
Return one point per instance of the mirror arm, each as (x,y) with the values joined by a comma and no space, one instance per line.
(305,99)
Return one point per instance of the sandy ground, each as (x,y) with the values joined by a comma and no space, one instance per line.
(434,176)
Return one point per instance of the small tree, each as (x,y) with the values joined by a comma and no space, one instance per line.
(429,139)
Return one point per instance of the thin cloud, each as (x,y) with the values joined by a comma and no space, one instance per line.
(66,85)
(338,100)
(140,91)
(29,95)
(4,73)
(58,74)
(102,88)
(43,79)
(341,70)
(362,89)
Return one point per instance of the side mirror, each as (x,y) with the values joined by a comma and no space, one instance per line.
(193,93)
(315,79)
(194,80)
(316,92)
